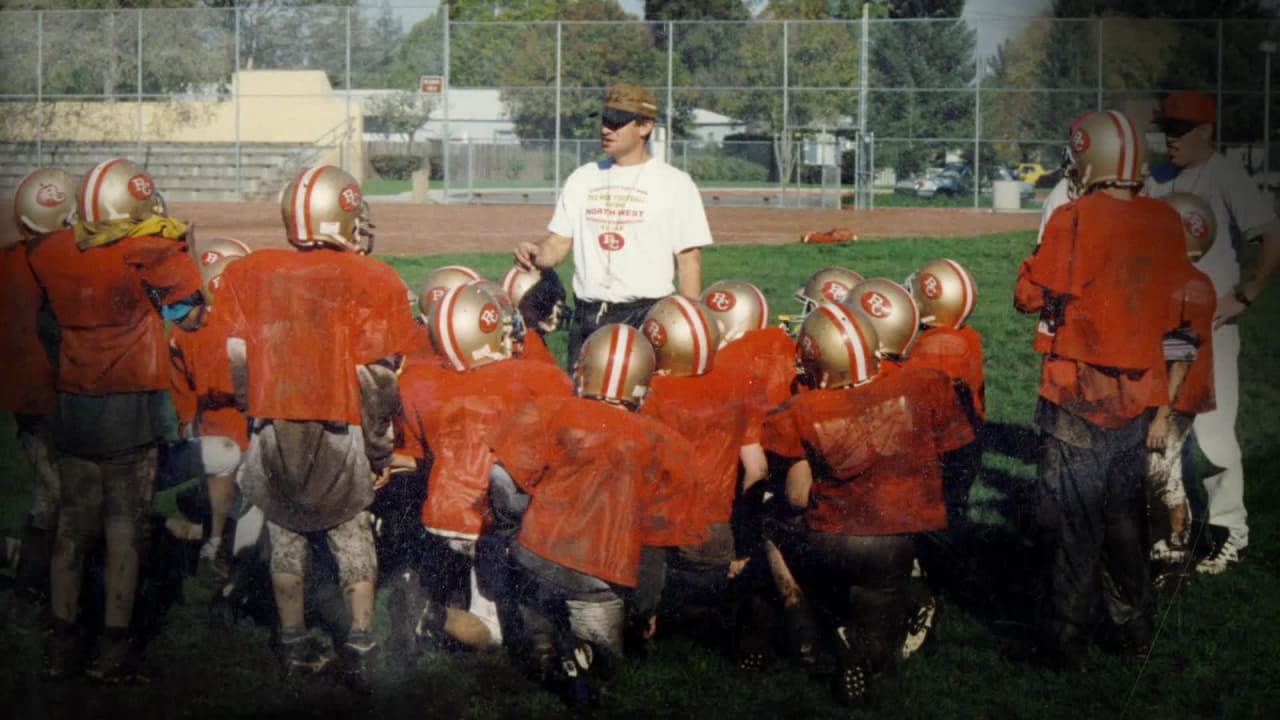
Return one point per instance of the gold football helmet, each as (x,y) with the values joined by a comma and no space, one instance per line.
(45,201)
(945,292)
(892,311)
(837,347)
(212,250)
(211,276)
(1199,225)
(116,189)
(830,284)
(538,294)
(683,335)
(324,206)
(440,281)
(1105,148)
(737,306)
(470,327)
(615,365)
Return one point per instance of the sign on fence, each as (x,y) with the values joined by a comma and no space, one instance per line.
(431,85)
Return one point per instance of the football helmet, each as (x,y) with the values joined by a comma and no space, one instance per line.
(440,281)
(116,189)
(45,201)
(615,366)
(539,295)
(470,327)
(892,311)
(837,347)
(945,293)
(323,206)
(210,251)
(830,284)
(683,335)
(211,276)
(737,306)
(1105,148)
(1199,225)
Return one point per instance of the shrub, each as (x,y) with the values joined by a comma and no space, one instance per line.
(719,168)
(396,167)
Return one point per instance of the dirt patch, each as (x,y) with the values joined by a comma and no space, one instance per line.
(405,229)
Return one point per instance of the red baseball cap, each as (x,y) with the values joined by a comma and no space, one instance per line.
(1189,107)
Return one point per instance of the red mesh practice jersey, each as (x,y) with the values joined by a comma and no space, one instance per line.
(958,353)
(27,382)
(447,417)
(874,451)
(769,356)
(535,348)
(203,393)
(1195,304)
(112,335)
(604,481)
(308,318)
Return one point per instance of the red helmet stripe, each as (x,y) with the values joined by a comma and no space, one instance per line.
(509,281)
(697,323)
(854,343)
(764,307)
(969,292)
(621,341)
(444,329)
(93,188)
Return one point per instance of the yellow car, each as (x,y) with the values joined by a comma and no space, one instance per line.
(1029,172)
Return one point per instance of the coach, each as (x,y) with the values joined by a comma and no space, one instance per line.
(631,220)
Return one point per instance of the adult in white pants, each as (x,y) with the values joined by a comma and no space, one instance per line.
(1243,213)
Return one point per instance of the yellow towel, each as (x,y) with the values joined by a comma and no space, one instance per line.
(90,234)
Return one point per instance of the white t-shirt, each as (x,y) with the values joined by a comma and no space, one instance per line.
(1060,195)
(627,224)
(1240,209)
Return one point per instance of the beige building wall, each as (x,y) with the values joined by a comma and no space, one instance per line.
(275,106)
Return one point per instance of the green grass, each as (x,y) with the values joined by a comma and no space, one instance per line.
(386,187)
(1217,653)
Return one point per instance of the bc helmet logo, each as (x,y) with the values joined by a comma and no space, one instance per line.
(611,241)
(50,196)
(1079,140)
(876,305)
(488,318)
(349,199)
(141,187)
(809,348)
(931,286)
(209,257)
(834,291)
(721,301)
(655,332)
(1195,225)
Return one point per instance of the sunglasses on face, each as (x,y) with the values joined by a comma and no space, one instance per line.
(1177,129)
(613,118)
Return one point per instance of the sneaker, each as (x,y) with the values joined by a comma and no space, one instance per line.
(117,659)
(356,661)
(1163,552)
(404,607)
(1227,553)
(62,656)
(852,676)
(212,567)
(918,627)
(302,654)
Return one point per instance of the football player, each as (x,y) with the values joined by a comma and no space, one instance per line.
(830,284)
(44,203)
(323,328)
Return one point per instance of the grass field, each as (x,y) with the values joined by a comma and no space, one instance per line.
(1217,652)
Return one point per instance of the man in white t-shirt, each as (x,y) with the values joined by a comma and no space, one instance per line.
(632,222)
(1243,213)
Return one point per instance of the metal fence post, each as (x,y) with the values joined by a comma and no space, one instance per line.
(236,82)
(671,96)
(784,144)
(977,122)
(1217,127)
(1099,23)
(138,156)
(39,88)
(444,140)
(555,143)
(346,134)
(864,171)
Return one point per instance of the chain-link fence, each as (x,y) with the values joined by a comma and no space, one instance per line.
(227,103)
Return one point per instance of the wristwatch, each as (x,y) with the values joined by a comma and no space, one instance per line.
(1238,294)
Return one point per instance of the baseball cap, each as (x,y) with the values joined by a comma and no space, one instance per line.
(1188,107)
(633,99)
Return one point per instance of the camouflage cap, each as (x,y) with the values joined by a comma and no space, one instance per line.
(633,99)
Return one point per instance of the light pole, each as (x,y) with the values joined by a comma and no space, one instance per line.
(1267,49)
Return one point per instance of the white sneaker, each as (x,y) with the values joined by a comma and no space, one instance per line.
(1226,555)
(918,627)
(1163,552)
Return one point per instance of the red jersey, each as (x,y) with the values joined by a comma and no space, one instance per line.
(604,482)
(28,381)
(1107,271)
(769,355)
(535,348)
(1194,305)
(112,335)
(711,411)
(874,451)
(308,318)
(958,353)
(447,416)
(203,393)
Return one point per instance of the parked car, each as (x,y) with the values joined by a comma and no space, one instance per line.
(935,184)
(1029,172)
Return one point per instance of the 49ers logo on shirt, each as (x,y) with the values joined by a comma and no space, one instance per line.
(488,318)
(834,291)
(349,199)
(1196,225)
(655,332)
(1079,140)
(50,196)
(611,241)
(931,286)
(141,187)
(721,301)
(876,305)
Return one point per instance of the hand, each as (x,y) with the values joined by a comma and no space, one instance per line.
(737,566)
(1229,308)
(651,628)
(380,479)
(526,253)
(1158,432)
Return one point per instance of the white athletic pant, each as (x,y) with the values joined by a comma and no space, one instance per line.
(1216,435)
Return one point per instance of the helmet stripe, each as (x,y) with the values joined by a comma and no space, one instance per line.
(93,188)
(854,343)
(764,307)
(509,281)
(444,328)
(1127,162)
(619,360)
(471,274)
(302,203)
(701,334)
(969,292)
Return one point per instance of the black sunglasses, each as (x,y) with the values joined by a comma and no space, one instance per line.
(613,118)
(1178,128)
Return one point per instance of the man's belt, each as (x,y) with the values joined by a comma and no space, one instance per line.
(599,308)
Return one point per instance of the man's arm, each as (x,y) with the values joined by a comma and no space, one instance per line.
(1268,262)
(548,253)
(689,273)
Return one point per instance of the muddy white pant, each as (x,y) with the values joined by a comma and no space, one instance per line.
(1215,434)
(1170,511)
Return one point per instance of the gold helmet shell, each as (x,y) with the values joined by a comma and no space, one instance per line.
(1199,225)
(471,328)
(538,294)
(891,310)
(211,276)
(737,306)
(1105,148)
(116,189)
(945,293)
(683,336)
(44,202)
(324,206)
(830,284)
(210,251)
(615,365)
(837,347)
(440,281)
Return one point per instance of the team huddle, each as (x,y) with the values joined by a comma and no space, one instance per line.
(790,476)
